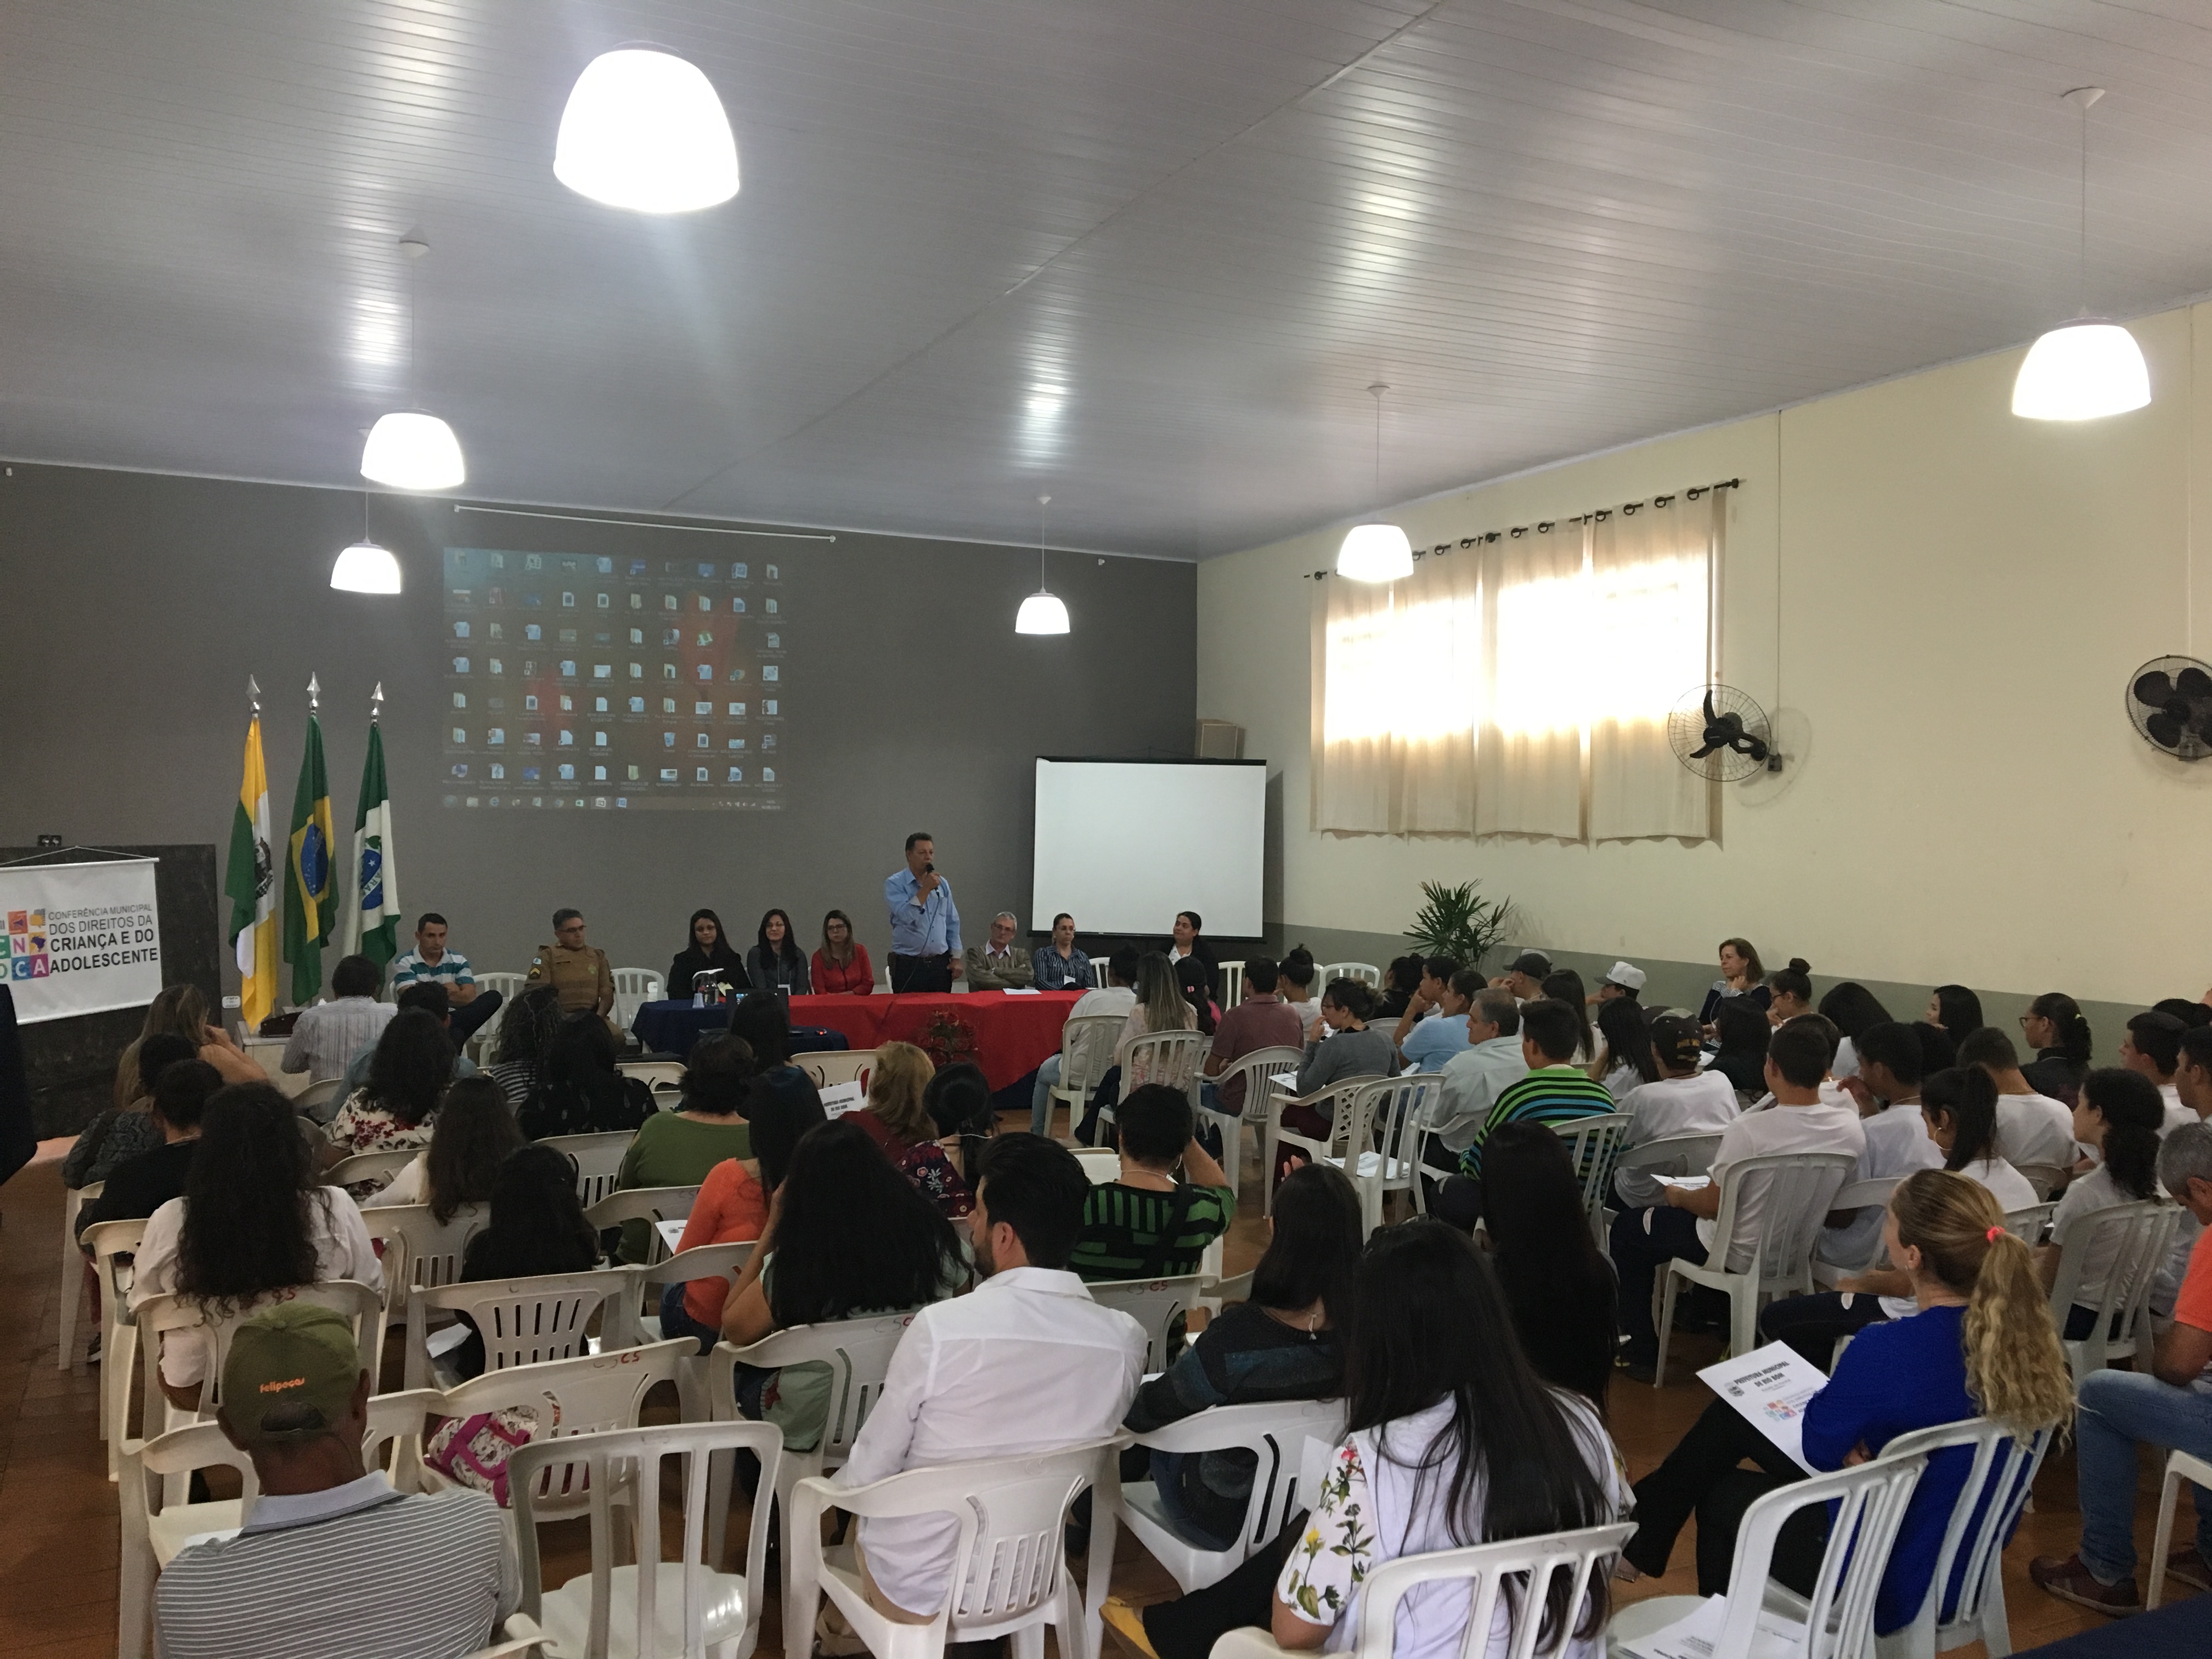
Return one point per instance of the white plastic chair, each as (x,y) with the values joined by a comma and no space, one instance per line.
(1271,1133)
(2029,1223)
(1102,1163)
(2179,1467)
(1259,1069)
(160,1314)
(1275,1433)
(598,1161)
(1799,1187)
(112,1243)
(1869,1194)
(1172,1059)
(722,1261)
(319,1094)
(2140,1235)
(633,988)
(73,1198)
(640,1611)
(1086,1050)
(420,1251)
(650,1204)
(1009,1571)
(829,1067)
(380,1167)
(1366,972)
(653,1073)
(526,1321)
(2042,1177)
(1230,989)
(1592,1146)
(486,1035)
(1155,1303)
(1374,1137)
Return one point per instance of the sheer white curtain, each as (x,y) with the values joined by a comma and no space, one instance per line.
(1528,765)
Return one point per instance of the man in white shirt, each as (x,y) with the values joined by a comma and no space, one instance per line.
(2193,1077)
(1797,1058)
(1027,1363)
(328,1034)
(1886,1087)
(1114,997)
(1685,1101)
(2032,1128)
(2152,1046)
(1525,978)
(1432,1043)
(1472,1081)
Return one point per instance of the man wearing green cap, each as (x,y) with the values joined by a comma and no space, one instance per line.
(331,1560)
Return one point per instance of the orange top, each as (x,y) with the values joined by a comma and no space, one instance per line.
(2194,1304)
(731,1206)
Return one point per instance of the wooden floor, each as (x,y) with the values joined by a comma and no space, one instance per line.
(58,1516)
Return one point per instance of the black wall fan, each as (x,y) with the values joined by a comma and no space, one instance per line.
(1720,733)
(2170,702)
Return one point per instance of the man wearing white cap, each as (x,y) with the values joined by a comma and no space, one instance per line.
(1623,979)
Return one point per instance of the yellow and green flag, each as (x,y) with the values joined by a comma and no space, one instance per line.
(308,911)
(250,885)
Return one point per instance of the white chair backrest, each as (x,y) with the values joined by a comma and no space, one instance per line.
(73,1198)
(1086,1049)
(1168,1058)
(1230,989)
(568,1397)
(1798,1188)
(2029,1223)
(527,1322)
(1594,1145)
(320,1093)
(598,1160)
(858,1352)
(723,1261)
(653,1073)
(2041,1176)
(2002,1467)
(1259,1069)
(2139,1237)
(379,1167)
(1102,1163)
(827,1066)
(1674,1155)
(635,986)
(611,1457)
(1873,1193)
(649,1204)
(1366,972)
(419,1249)
(1533,1561)
(1275,1433)
(1152,1303)
(159,1315)
(510,986)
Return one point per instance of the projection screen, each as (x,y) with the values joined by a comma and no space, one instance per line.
(1123,845)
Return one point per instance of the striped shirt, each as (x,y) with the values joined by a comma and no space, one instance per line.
(1552,1094)
(328,1034)
(359,1571)
(1121,1228)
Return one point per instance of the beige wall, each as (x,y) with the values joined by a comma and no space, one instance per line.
(1950,601)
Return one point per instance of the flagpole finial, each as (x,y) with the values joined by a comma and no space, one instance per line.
(376,703)
(315,694)
(253,693)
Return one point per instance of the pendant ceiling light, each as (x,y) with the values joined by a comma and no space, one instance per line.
(1041,612)
(409,449)
(644,130)
(365,567)
(2089,367)
(1375,552)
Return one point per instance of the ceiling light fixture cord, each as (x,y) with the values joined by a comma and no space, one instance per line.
(2086,102)
(1375,391)
(1042,501)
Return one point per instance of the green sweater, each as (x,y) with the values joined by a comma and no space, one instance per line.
(675,1152)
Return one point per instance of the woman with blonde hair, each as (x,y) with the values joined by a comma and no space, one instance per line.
(897,1120)
(1979,1344)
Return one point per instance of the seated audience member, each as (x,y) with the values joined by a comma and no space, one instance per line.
(1887,1090)
(1681,1101)
(582,1091)
(999,963)
(897,1120)
(123,1132)
(1956,1010)
(1341,1044)
(707,959)
(2152,1046)
(526,1037)
(328,1034)
(254,1219)
(1564,985)
(181,1011)
(580,974)
(2054,1027)
(315,1568)
(848,1239)
(1937,1052)
(1263,1020)
(1555,1090)
(1792,992)
(1741,975)
(1798,1122)
(138,1185)
(1146,1224)
(1525,978)
(1624,1032)
(1281,1343)
(407,1073)
(763,1026)
(1294,981)
(536,1227)
(2192,1076)
(431,963)
(2164,1405)
(474,1132)
(1040,1365)
(1623,982)
(1428,995)
(2119,1115)
(2032,1128)
(957,1098)
(733,1201)
(1558,1283)
(1741,1056)
(2190,1014)
(1057,965)
(679,1148)
(1979,1344)
(1436,1041)
(1187,942)
(775,959)
(1958,1106)
(842,967)
(1160,1005)
(429,997)
(1401,983)
(1851,1008)
(1472,1081)
(1191,978)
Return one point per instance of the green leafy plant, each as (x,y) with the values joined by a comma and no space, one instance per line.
(1458,922)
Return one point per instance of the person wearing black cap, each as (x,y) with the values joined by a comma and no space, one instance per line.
(1525,978)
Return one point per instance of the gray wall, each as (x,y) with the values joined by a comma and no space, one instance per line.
(137,605)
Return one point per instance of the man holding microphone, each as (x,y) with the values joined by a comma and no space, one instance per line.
(925,922)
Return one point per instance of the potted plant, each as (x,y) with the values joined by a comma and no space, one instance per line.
(1458,922)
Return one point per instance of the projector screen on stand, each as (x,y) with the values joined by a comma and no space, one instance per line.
(1123,845)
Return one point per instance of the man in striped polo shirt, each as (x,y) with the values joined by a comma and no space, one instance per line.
(1556,1091)
(333,1559)
(1147,1224)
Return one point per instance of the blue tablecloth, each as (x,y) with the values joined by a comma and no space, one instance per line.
(670,1028)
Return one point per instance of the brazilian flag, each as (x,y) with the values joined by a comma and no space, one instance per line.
(309,914)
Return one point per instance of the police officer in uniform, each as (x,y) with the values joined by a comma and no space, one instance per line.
(577,973)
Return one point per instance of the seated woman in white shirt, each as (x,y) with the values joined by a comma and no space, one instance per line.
(1625,1038)
(254,1220)
(1681,1101)
(1851,1008)
(474,1132)
(2118,1113)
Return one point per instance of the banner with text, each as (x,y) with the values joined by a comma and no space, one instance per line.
(81,937)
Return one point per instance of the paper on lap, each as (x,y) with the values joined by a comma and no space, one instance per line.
(839,1099)
(1770,1386)
(671,1234)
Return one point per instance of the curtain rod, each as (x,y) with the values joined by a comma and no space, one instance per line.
(647,524)
(1545,526)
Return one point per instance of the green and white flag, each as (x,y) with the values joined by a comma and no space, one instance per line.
(371,905)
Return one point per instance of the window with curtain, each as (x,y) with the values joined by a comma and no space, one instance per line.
(1522,688)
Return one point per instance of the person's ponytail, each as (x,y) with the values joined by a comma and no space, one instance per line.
(2068,1024)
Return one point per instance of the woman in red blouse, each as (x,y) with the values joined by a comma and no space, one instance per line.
(842,965)
(897,1122)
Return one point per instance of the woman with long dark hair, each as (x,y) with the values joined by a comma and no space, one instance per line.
(709,952)
(681,1148)
(537,1226)
(1197,990)
(254,1220)
(775,958)
(1956,1010)
(2120,1114)
(1558,1285)
(1851,1008)
(1401,983)
(475,1133)
(1742,1057)
(1566,985)
(842,967)
(1626,1034)
(2054,1027)
(760,1023)
(528,1027)
(407,1078)
(1188,941)
(582,1091)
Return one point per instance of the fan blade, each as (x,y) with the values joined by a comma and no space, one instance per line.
(2153,689)
(2193,682)
(1750,745)
(1700,754)
(1711,714)
(2163,730)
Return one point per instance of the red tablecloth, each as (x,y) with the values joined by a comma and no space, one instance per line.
(1010,1035)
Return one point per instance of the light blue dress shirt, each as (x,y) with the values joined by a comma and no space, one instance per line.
(1435,1040)
(929,929)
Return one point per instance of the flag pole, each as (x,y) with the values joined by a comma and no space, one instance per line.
(376,703)
(314,695)
(253,696)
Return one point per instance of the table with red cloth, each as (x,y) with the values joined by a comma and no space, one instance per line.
(1008,1035)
